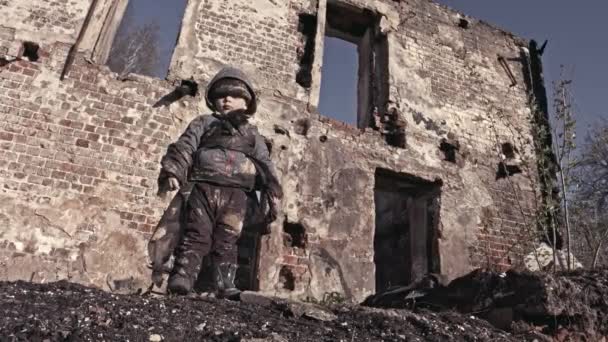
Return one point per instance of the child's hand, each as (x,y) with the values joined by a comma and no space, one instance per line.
(173,183)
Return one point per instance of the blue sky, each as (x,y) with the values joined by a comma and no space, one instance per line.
(339,80)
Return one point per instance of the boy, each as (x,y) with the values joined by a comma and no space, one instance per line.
(224,158)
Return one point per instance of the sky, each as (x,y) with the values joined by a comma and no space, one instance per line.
(339,80)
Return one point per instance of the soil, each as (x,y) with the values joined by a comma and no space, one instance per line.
(526,306)
(65,311)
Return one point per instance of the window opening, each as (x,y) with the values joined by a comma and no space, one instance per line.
(146,37)
(352,82)
(405,237)
(307,26)
(338,97)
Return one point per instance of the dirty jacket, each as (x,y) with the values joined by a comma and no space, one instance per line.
(213,150)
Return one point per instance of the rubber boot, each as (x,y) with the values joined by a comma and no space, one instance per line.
(224,275)
(185,272)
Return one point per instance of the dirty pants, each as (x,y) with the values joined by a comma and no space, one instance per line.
(213,223)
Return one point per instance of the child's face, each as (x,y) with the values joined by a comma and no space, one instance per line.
(228,104)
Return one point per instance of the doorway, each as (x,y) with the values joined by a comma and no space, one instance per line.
(406,230)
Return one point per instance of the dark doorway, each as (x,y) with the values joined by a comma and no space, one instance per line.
(405,238)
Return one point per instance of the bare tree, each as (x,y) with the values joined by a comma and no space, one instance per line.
(590,210)
(564,128)
(136,47)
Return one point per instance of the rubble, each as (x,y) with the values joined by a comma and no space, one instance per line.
(64,311)
(565,306)
(541,259)
(481,306)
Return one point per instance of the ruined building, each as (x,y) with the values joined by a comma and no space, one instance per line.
(437,172)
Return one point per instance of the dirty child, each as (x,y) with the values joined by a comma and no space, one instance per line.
(225,160)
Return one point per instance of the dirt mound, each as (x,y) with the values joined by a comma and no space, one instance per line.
(563,306)
(64,311)
(541,307)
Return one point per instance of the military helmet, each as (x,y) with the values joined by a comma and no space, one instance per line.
(224,79)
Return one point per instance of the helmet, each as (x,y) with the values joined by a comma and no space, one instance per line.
(234,73)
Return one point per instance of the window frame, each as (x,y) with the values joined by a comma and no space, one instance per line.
(372,78)
(102,29)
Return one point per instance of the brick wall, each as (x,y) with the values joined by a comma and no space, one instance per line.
(83,139)
(79,157)
(227,28)
(476,106)
(89,143)
(44,19)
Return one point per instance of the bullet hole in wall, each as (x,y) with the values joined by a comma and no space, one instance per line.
(302,126)
(463,23)
(295,235)
(30,51)
(449,149)
(508,150)
(188,87)
(507,170)
(287,278)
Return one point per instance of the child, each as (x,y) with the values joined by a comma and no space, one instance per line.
(224,158)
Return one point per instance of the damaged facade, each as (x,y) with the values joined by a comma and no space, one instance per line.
(438,175)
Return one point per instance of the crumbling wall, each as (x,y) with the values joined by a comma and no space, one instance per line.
(79,157)
(79,161)
(48,20)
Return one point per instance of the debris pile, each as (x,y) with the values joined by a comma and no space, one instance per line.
(64,311)
(542,306)
(481,306)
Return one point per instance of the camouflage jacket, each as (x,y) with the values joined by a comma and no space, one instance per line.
(212,150)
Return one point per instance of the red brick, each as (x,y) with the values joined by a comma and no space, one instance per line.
(118,142)
(58,175)
(6,136)
(290,259)
(107,148)
(63,185)
(82,143)
(126,215)
(93,137)
(146,228)
(29,72)
(86,180)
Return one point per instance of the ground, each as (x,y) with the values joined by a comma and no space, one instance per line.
(541,307)
(64,311)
